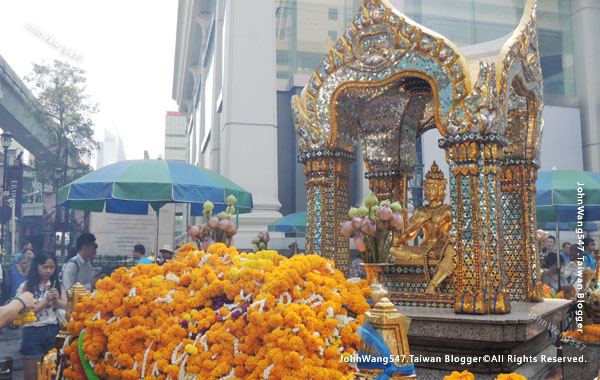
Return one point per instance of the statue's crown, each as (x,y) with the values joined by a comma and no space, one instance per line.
(435,174)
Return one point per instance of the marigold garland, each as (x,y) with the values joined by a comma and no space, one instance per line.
(591,333)
(220,314)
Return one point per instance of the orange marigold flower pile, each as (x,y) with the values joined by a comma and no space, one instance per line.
(221,314)
(466,375)
(591,333)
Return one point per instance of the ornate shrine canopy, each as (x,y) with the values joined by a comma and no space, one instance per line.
(386,81)
(389,74)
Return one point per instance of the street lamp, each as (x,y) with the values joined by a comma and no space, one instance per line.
(57,175)
(5,138)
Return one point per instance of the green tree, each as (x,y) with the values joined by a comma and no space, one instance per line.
(65,111)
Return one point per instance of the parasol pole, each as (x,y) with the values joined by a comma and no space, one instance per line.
(156,239)
(558,255)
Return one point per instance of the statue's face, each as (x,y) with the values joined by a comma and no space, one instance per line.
(434,190)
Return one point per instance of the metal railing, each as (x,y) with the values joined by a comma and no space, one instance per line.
(108,263)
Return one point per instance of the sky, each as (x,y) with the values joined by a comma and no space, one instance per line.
(126,48)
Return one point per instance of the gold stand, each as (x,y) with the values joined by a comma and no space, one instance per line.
(391,325)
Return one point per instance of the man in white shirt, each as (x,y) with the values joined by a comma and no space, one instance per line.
(79,268)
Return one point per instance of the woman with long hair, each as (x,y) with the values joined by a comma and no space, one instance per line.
(39,337)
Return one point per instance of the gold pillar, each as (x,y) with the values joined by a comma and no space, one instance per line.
(475,198)
(327,188)
(388,185)
(520,249)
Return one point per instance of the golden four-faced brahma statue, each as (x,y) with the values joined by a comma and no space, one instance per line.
(435,219)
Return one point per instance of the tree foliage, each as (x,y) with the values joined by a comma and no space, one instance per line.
(65,111)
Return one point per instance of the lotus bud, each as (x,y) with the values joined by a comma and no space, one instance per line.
(255,240)
(193,232)
(397,220)
(384,213)
(363,211)
(371,200)
(267,237)
(373,212)
(385,202)
(368,227)
(222,215)
(262,245)
(346,229)
(233,229)
(231,226)
(360,243)
(209,206)
(396,207)
(356,222)
(224,224)
(213,221)
(231,200)
(353,212)
(206,213)
(380,224)
(261,236)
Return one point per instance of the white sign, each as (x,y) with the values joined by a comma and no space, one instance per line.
(116,234)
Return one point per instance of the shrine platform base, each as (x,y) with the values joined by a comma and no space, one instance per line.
(521,341)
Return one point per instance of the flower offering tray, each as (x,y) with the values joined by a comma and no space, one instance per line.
(407,283)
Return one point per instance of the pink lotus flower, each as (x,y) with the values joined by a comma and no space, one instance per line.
(206,242)
(384,213)
(267,237)
(213,221)
(193,232)
(356,222)
(397,220)
(360,243)
(224,224)
(368,227)
(346,229)
(261,236)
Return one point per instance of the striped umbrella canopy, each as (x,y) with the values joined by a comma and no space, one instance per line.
(295,222)
(128,187)
(561,193)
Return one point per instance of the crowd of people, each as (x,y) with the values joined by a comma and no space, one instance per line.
(561,270)
(38,285)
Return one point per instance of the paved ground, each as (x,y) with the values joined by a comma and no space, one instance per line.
(9,347)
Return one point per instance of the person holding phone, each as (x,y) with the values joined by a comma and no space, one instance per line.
(39,337)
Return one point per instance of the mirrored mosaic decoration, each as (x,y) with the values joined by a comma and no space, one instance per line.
(386,81)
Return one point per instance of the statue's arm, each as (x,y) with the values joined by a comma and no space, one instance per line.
(414,226)
(447,219)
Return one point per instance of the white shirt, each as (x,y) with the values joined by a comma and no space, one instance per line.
(81,272)
(49,314)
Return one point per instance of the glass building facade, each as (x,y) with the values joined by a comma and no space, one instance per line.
(307,28)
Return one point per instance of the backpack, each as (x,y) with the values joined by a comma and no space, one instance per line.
(71,260)
(6,289)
